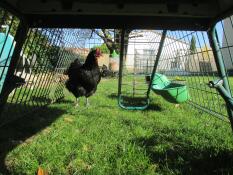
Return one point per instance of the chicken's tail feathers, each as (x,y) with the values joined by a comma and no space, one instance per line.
(68,85)
(66,72)
(76,63)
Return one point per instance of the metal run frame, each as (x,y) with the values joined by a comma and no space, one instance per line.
(221,85)
(54,40)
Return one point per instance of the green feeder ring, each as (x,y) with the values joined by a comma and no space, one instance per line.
(172,92)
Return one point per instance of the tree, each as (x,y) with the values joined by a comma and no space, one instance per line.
(109,37)
(193,45)
(112,38)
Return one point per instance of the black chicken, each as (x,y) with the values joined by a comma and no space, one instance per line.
(106,72)
(84,78)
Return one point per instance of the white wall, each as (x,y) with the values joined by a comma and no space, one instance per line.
(227,51)
(150,40)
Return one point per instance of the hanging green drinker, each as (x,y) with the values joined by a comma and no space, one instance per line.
(114,54)
(172,92)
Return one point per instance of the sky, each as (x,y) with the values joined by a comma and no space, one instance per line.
(73,40)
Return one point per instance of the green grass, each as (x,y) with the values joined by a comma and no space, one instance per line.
(104,139)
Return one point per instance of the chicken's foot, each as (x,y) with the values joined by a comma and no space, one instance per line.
(76,104)
(87,102)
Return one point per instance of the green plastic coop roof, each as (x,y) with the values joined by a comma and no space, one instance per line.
(159,14)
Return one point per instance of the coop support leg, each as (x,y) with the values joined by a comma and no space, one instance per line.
(162,40)
(225,91)
(121,65)
(20,37)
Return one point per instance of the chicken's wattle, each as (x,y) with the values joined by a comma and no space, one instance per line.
(98,53)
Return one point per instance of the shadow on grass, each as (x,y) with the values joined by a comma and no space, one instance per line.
(137,101)
(174,154)
(113,96)
(154,107)
(16,132)
(65,101)
(40,99)
(47,100)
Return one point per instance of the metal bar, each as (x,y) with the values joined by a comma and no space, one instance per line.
(227,44)
(224,93)
(117,21)
(12,10)
(20,38)
(221,68)
(121,63)
(228,12)
(163,37)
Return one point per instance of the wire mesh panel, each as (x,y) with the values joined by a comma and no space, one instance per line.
(29,88)
(141,48)
(39,76)
(224,31)
(76,44)
(186,59)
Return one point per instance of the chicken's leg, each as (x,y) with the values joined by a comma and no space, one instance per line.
(87,102)
(77,105)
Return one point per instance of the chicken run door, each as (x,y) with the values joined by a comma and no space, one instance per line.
(189,58)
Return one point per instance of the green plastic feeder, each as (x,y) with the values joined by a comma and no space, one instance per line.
(172,92)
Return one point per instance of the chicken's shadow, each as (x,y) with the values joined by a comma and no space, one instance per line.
(113,96)
(16,132)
